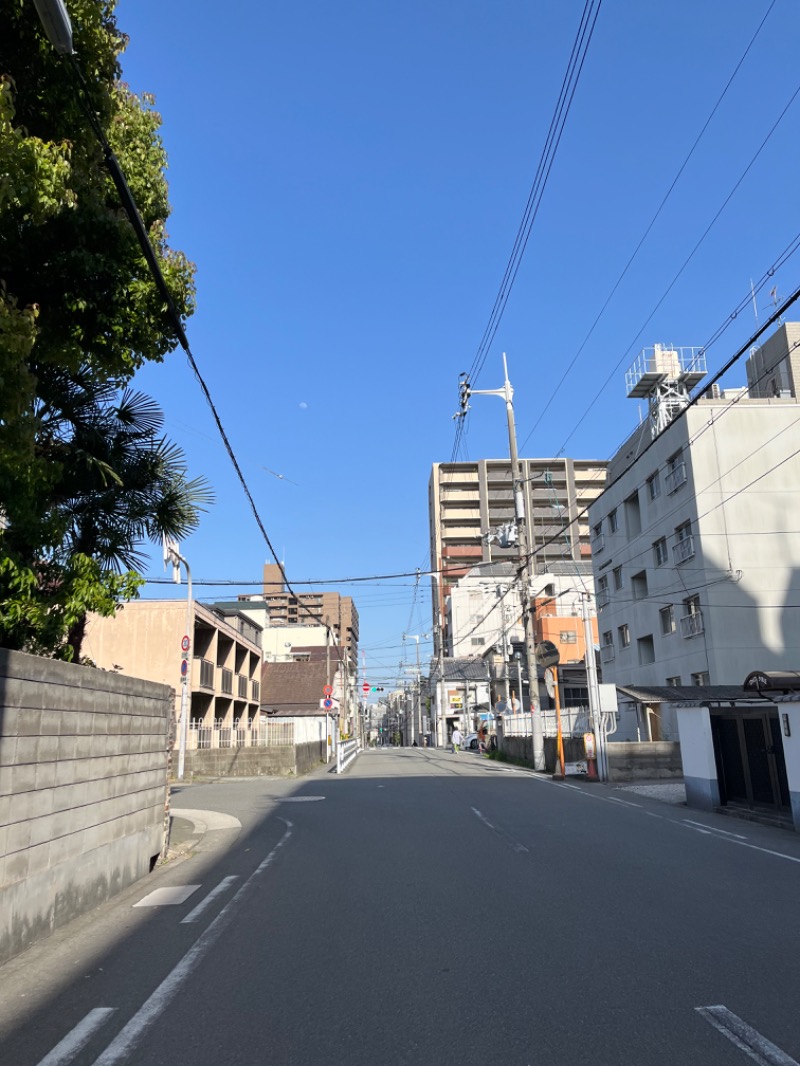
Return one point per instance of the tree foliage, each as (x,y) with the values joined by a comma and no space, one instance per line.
(84,476)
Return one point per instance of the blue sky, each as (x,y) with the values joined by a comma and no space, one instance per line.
(349,179)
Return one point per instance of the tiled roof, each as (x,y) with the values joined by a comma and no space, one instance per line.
(293,688)
(466,669)
(687,693)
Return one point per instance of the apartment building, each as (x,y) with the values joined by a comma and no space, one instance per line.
(467,501)
(144,639)
(695,548)
(311,608)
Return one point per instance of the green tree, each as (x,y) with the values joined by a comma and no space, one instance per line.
(79,314)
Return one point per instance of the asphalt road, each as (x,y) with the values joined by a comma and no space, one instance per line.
(426,909)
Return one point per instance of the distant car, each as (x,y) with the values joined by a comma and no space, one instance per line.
(470,742)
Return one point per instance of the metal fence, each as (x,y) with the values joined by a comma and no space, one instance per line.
(574,722)
(239,733)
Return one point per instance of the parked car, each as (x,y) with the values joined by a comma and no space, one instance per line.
(470,742)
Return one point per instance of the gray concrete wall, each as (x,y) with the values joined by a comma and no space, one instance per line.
(83,790)
(648,760)
(277,761)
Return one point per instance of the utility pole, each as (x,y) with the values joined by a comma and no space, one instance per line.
(523,552)
(173,555)
(417,719)
(594,690)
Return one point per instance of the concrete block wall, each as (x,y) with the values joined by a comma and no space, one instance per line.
(83,790)
(278,761)
(644,760)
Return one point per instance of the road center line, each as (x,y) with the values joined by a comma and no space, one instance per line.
(119,1050)
(482,817)
(747,1039)
(192,916)
(65,1051)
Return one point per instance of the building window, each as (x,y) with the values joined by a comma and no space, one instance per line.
(613,521)
(660,551)
(701,678)
(607,647)
(683,548)
(674,682)
(633,517)
(624,636)
(639,584)
(676,473)
(597,537)
(667,620)
(617,572)
(602,591)
(477,641)
(647,650)
(692,620)
(568,636)
(654,486)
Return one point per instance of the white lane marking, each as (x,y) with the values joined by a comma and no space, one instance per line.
(119,1050)
(300,799)
(167,897)
(724,832)
(741,843)
(192,916)
(66,1049)
(615,799)
(482,817)
(747,1039)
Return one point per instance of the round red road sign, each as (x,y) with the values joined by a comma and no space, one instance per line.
(365,687)
(327,690)
(185,644)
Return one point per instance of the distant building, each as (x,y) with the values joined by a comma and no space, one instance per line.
(468,501)
(311,608)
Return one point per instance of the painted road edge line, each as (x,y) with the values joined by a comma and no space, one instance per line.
(739,836)
(192,916)
(747,1039)
(121,1047)
(66,1049)
(740,843)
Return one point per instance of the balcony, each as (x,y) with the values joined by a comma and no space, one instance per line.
(598,543)
(675,478)
(256,691)
(227,682)
(683,550)
(691,625)
(242,680)
(603,598)
(206,674)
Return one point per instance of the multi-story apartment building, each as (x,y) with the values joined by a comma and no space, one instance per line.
(143,639)
(310,608)
(695,547)
(469,500)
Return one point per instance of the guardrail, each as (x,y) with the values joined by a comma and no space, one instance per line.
(346,751)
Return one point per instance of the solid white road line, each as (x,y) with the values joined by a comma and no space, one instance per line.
(65,1051)
(747,1039)
(192,916)
(741,843)
(739,836)
(167,897)
(119,1050)
(616,799)
(482,817)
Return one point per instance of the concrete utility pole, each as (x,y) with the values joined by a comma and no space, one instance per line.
(417,717)
(523,552)
(173,556)
(594,690)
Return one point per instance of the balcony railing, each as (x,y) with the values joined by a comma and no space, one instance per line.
(603,598)
(206,674)
(256,691)
(675,478)
(598,543)
(606,653)
(242,686)
(691,624)
(227,681)
(683,550)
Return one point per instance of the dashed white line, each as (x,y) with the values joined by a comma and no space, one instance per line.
(120,1049)
(739,836)
(66,1050)
(747,1039)
(192,916)
(615,799)
(482,817)
(733,840)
